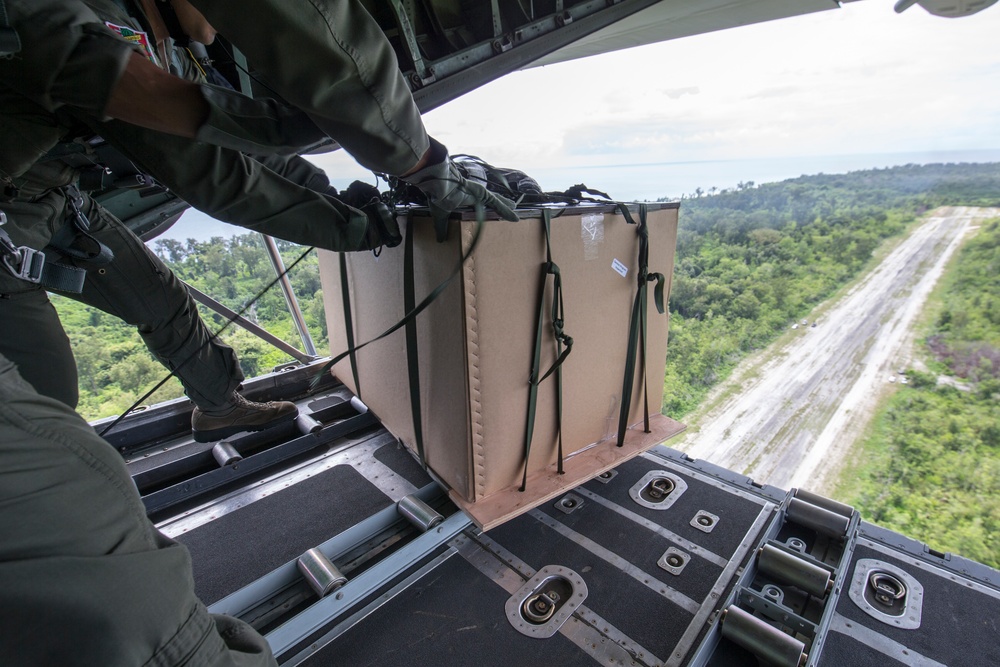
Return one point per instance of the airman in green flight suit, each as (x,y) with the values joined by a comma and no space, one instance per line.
(85,579)
(289,201)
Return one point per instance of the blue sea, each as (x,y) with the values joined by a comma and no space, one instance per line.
(649,182)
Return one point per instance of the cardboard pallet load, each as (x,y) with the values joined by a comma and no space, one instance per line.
(474,350)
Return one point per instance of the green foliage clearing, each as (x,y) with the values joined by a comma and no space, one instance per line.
(753,260)
(930,468)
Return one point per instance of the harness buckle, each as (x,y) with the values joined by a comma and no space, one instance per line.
(20,261)
(24,262)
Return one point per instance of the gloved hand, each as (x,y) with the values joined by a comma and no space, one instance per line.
(382,229)
(447,190)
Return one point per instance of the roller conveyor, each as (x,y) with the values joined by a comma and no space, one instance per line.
(348,552)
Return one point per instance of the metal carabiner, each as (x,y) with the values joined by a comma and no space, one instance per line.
(80,220)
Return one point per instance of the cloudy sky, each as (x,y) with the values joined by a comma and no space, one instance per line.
(861,79)
(858,80)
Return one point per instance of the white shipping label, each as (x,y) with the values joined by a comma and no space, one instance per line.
(619,268)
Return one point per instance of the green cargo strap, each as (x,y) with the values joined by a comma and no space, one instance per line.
(637,324)
(419,308)
(412,356)
(556,318)
(345,291)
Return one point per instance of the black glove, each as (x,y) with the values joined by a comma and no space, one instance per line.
(382,229)
(447,190)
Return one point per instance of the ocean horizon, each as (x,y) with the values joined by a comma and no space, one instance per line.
(649,182)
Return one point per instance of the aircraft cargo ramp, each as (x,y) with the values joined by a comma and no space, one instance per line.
(661,561)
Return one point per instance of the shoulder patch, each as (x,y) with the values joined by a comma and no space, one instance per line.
(137,37)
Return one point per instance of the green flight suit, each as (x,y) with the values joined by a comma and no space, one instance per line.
(136,287)
(85,578)
(330,59)
(285,198)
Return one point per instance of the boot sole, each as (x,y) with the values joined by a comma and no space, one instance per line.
(216,434)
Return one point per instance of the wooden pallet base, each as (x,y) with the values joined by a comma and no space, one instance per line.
(546,484)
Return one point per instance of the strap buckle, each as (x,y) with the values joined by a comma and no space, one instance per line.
(20,261)
(24,263)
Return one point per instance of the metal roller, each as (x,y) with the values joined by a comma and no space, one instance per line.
(763,640)
(824,502)
(307,424)
(790,569)
(224,454)
(358,406)
(817,518)
(418,513)
(322,575)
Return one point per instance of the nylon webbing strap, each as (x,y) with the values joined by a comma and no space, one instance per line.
(32,266)
(75,240)
(556,320)
(419,308)
(637,332)
(345,291)
(63,278)
(412,356)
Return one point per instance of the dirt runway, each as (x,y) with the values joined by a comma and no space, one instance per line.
(789,414)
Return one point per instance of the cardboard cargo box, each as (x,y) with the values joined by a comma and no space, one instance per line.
(475,347)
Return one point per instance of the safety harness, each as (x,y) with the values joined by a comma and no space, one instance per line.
(72,241)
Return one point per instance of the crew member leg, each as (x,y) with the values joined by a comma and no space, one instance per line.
(85,578)
(139,288)
(33,338)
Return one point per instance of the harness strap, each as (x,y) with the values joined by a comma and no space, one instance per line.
(75,241)
(638,324)
(158,28)
(412,355)
(31,266)
(556,317)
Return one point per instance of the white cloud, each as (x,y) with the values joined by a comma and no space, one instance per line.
(677,93)
(861,79)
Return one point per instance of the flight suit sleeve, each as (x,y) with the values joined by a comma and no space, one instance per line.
(70,58)
(240,190)
(330,59)
(255,125)
(67,55)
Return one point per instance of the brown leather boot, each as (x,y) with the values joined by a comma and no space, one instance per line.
(241,415)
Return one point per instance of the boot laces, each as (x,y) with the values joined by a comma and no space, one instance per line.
(240,401)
